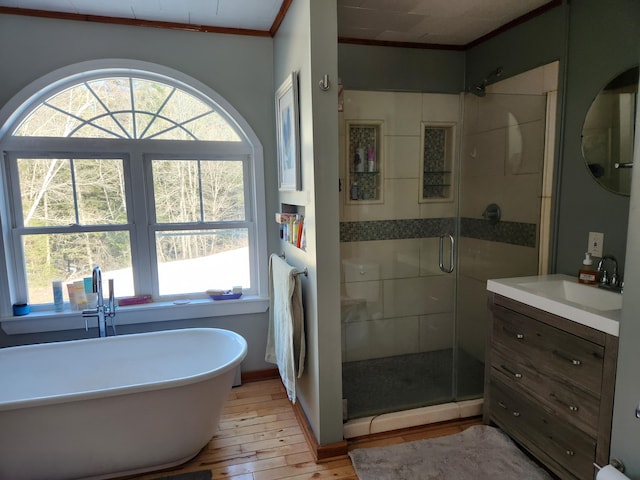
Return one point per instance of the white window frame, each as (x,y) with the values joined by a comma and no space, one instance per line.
(137,156)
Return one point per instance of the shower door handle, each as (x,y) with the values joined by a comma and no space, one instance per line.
(451,253)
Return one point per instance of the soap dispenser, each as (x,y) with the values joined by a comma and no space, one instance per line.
(587,273)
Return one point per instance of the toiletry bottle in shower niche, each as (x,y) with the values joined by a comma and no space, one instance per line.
(371,159)
(587,274)
(360,159)
(353,193)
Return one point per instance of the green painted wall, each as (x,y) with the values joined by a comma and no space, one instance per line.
(307,43)
(594,41)
(363,67)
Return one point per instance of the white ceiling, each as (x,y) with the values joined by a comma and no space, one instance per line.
(441,22)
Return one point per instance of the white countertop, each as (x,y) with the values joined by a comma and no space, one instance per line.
(564,296)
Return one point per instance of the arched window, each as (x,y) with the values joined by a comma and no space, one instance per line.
(152,178)
(127,107)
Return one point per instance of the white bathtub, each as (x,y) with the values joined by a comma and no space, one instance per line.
(115,406)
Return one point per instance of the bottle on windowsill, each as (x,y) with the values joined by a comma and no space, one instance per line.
(587,273)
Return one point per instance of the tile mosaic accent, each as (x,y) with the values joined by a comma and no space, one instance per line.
(515,233)
(394,229)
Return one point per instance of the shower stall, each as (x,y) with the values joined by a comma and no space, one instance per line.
(453,192)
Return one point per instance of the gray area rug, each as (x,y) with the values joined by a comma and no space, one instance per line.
(479,452)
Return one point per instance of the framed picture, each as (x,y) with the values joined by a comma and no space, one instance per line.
(287,126)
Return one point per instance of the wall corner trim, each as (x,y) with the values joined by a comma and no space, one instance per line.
(321,453)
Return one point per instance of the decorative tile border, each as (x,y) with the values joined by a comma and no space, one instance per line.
(515,233)
(394,229)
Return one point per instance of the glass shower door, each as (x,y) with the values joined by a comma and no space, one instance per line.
(501,163)
(415,260)
(397,303)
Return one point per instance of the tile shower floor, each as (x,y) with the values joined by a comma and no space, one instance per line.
(402,382)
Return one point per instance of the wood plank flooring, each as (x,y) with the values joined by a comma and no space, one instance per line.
(260,439)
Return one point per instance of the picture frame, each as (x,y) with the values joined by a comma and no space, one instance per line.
(288,134)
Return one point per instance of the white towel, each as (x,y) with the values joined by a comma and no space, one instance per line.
(285,341)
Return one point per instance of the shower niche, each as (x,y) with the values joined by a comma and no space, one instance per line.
(437,143)
(364,161)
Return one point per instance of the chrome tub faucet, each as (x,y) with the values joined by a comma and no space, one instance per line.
(102,311)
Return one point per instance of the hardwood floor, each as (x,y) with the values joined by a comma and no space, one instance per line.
(259,439)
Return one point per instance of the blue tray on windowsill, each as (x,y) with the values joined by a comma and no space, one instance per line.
(226,296)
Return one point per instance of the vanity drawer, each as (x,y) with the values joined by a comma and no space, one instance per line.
(554,352)
(569,403)
(535,428)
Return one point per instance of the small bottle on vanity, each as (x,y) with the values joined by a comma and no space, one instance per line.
(587,273)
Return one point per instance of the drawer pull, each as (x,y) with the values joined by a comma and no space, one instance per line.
(572,408)
(573,361)
(571,453)
(516,414)
(511,372)
(519,336)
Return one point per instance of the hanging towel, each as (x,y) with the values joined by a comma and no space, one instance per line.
(285,341)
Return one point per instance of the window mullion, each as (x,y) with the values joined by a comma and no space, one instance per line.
(133,109)
(16,273)
(74,190)
(155,115)
(143,249)
(200,192)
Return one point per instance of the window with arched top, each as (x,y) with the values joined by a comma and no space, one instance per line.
(148,176)
(127,108)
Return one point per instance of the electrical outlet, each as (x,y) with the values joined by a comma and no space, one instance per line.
(596,240)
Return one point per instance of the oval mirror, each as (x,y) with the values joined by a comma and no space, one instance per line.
(608,133)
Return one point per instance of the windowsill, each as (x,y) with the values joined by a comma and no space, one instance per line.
(49,321)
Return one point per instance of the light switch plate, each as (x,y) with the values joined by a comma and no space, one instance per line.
(596,240)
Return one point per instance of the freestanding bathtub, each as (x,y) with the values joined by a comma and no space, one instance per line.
(114,406)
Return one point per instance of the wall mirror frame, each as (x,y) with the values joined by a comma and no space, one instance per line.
(608,133)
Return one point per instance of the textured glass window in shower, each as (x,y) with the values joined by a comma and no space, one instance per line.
(364,160)
(437,162)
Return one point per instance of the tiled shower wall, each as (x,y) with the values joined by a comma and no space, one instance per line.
(395,299)
(502,161)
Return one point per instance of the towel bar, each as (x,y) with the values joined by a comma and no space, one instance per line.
(304,272)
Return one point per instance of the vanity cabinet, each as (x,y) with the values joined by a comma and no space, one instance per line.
(549,385)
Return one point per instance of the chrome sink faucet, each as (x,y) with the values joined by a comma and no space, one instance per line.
(612,281)
(102,311)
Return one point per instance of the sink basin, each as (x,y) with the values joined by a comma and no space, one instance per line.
(562,295)
(570,291)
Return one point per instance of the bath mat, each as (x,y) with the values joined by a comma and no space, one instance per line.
(479,452)
(199,475)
